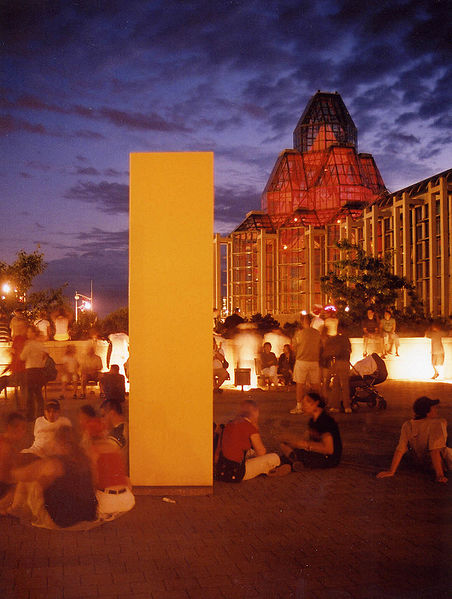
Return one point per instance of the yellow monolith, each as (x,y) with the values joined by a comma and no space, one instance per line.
(170,290)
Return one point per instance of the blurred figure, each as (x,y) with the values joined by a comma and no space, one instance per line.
(61,319)
(113,489)
(335,353)
(61,492)
(436,334)
(90,367)
(45,428)
(113,384)
(425,438)
(43,326)
(34,355)
(306,345)
(220,374)
(247,343)
(286,365)
(116,426)
(4,327)
(69,374)
(388,329)
(18,324)
(16,367)
(269,364)
(232,322)
(317,321)
(16,428)
(118,352)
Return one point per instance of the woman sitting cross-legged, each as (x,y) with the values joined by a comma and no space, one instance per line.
(60,490)
(321,446)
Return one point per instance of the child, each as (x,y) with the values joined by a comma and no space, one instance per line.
(70,370)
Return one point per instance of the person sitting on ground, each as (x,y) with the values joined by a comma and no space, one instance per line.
(425,438)
(371,332)
(321,446)
(69,374)
(286,365)
(269,364)
(16,428)
(113,489)
(62,491)
(45,428)
(237,439)
(116,426)
(388,328)
(220,374)
(90,368)
(113,384)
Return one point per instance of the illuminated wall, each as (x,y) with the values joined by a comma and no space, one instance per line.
(171,279)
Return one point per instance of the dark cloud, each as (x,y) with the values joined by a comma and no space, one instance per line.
(88,170)
(10,124)
(112,198)
(232,203)
(87,134)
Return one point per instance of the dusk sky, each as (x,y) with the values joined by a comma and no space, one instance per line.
(84,83)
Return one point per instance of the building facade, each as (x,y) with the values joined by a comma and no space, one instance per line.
(321,191)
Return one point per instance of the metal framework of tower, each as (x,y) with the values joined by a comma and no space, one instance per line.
(275,258)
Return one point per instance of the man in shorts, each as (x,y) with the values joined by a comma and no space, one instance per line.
(306,346)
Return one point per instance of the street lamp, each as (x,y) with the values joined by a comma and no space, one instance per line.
(86,302)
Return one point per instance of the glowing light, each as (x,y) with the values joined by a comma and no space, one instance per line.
(303,312)
(346,309)
(331,308)
(87,305)
(284,247)
(6,287)
(295,219)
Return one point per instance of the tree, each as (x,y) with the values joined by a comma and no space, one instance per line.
(115,322)
(46,300)
(16,278)
(360,280)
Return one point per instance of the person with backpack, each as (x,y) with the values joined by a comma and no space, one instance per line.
(238,438)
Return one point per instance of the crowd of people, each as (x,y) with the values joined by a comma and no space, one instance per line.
(67,477)
(31,366)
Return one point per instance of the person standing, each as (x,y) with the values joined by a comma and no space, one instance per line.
(335,353)
(306,345)
(371,332)
(34,355)
(436,334)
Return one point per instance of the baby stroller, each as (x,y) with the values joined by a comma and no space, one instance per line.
(362,385)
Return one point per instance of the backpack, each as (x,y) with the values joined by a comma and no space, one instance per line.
(50,369)
(224,469)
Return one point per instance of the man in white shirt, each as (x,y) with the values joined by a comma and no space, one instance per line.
(425,436)
(45,427)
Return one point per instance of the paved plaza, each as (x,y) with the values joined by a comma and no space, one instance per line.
(339,534)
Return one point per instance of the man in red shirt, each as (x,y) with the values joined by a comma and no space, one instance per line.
(240,437)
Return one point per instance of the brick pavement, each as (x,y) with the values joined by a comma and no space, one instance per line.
(313,535)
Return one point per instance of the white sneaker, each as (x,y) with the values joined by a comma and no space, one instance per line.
(296,410)
(348,410)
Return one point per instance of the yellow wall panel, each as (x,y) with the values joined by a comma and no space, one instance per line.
(170,254)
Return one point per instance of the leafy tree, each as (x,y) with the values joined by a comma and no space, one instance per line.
(264,323)
(115,322)
(46,300)
(360,280)
(86,322)
(19,276)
